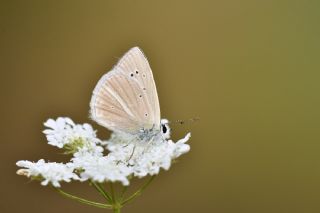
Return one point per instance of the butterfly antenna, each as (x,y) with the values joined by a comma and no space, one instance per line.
(181,122)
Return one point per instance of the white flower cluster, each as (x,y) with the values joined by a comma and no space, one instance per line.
(145,158)
(95,166)
(127,156)
(48,172)
(64,131)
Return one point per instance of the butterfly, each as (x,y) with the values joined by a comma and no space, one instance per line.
(125,99)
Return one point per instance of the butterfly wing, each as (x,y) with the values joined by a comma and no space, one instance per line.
(135,66)
(125,99)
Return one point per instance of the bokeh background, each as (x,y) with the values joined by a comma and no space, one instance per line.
(249,69)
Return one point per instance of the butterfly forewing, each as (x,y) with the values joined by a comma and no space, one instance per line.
(125,99)
(135,65)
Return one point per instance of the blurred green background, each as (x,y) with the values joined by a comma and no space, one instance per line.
(248,69)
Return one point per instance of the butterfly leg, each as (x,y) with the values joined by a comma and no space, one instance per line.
(148,144)
(124,146)
(134,148)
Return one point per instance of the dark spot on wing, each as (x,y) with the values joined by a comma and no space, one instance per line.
(131,74)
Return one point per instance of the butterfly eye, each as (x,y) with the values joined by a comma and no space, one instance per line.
(164,129)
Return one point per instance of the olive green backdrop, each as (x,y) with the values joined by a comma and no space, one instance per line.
(248,69)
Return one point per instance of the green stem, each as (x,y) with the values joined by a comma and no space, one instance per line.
(116,206)
(139,191)
(101,190)
(112,193)
(125,188)
(81,200)
(116,210)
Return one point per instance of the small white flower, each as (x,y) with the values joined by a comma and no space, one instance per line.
(47,172)
(64,131)
(181,147)
(94,150)
(101,168)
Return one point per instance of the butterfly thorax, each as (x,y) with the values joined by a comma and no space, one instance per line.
(149,134)
(145,135)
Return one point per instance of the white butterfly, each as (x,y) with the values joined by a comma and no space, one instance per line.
(125,100)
